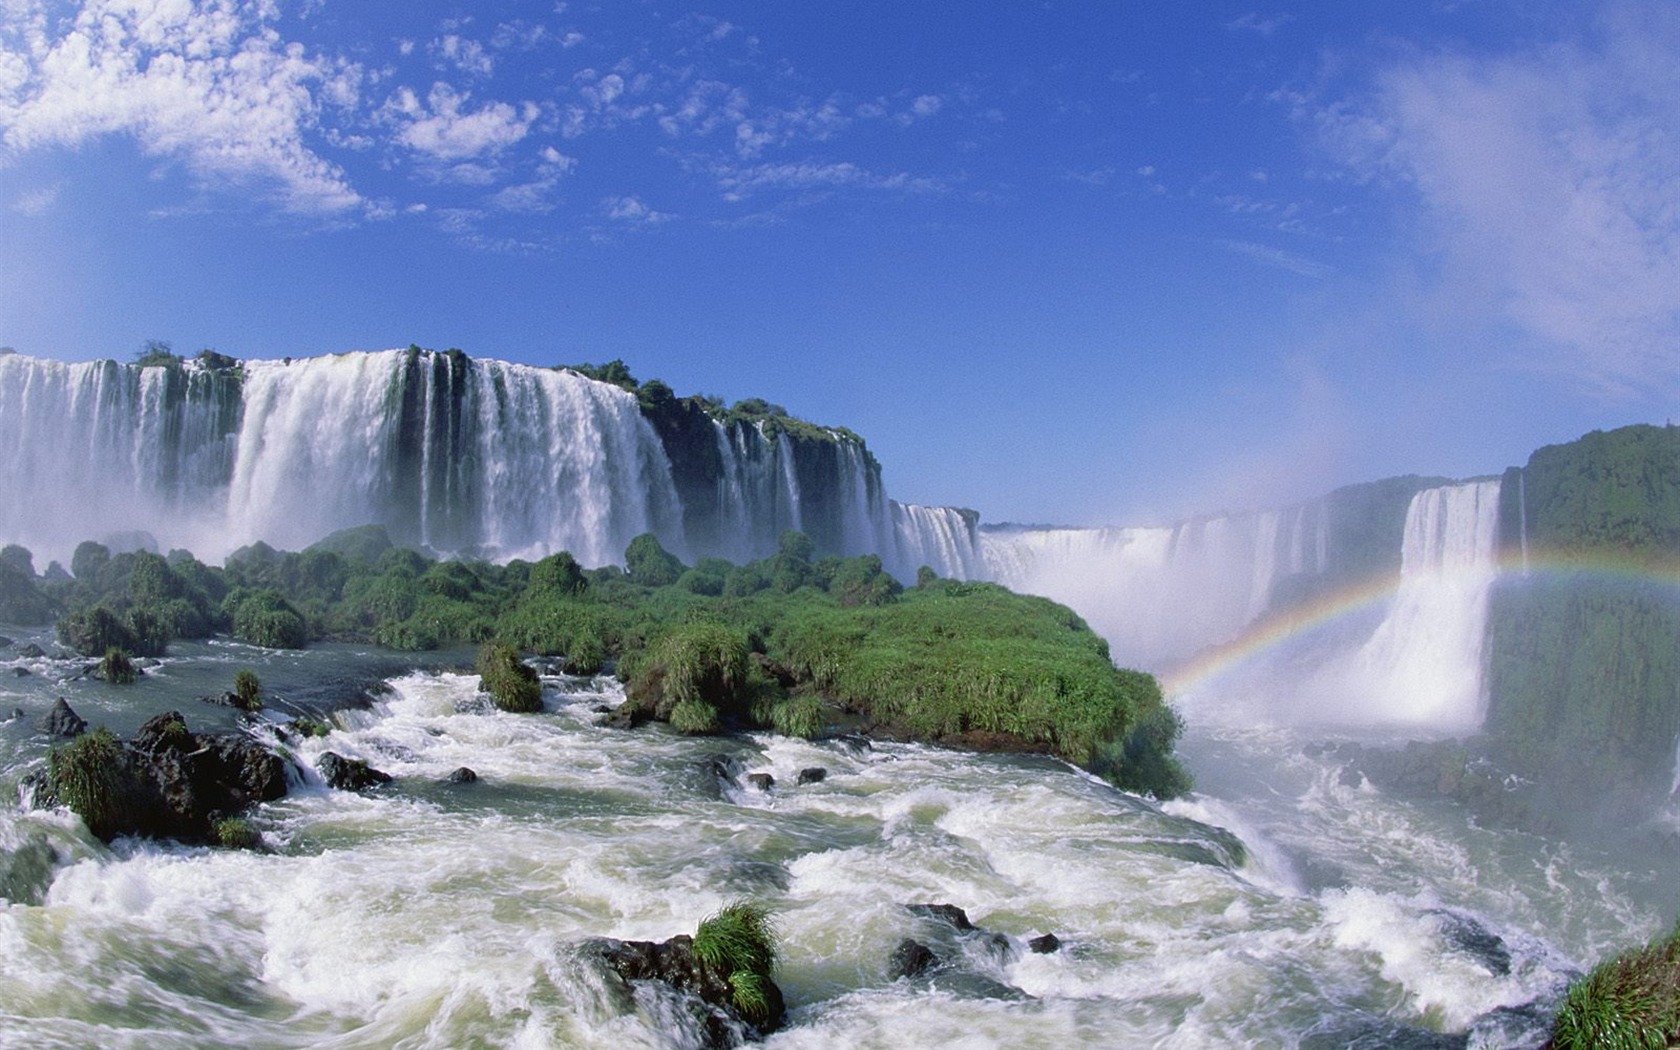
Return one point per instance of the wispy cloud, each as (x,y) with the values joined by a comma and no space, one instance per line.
(1254,22)
(740,183)
(1548,183)
(211,85)
(1277,257)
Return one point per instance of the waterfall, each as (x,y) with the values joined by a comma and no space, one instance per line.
(1157,594)
(942,538)
(496,459)
(1522,514)
(1423,664)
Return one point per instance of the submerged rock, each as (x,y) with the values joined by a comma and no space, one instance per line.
(812,775)
(349,774)
(32,652)
(62,721)
(761,781)
(463,775)
(911,958)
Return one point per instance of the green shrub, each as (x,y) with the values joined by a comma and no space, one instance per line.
(512,685)
(695,717)
(236,833)
(694,673)
(248,688)
(117,668)
(91,776)
(266,618)
(1629,1002)
(798,716)
(739,942)
(649,564)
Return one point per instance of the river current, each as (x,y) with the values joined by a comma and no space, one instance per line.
(1282,905)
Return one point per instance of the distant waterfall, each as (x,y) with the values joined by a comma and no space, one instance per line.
(499,459)
(942,538)
(1160,594)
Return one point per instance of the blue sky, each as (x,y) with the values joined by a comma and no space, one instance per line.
(1060,262)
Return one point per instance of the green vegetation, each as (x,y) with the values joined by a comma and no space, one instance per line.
(1584,662)
(1629,1002)
(739,942)
(115,667)
(794,642)
(235,833)
(248,689)
(512,685)
(91,776)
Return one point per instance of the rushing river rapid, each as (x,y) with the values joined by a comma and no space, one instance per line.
(1279,906)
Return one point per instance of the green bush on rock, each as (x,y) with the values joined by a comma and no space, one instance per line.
(739,941)
(91,776)
(512,685)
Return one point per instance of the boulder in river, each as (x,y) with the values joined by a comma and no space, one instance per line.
(62,721)
(349,774)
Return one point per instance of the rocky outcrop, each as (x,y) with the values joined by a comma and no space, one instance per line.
(704,993)
(167,782)
(62,721)
(349,774)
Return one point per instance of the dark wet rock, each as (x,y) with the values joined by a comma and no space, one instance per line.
(812,775)
(949,914)
(5,643)
(703,991)
(349,774)
(231,699)
(21,672)
(61,721)
(627,715)
(911,958)
(32,652)
(1469,937)
(776,671)
(462,775)
(853,743)
(17,713)
(199,778)
(761,781)
(169,782)
(1047,944)
(726,768)
(601,709)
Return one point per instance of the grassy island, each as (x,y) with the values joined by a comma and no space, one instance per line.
(795,643)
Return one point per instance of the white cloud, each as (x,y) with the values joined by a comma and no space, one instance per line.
(926,105)
(211,84)
(36,203)
(466,55)
(1549,184)
(740,183)
(442,129)
(633,211)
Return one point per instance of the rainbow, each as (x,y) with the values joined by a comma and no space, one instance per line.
(1275,630)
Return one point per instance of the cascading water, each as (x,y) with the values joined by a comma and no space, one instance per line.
(1423,665)
(1414,658)
(1160,594)
(942,538)
(502,459)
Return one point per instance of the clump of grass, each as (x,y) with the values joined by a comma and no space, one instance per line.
(248,688)
(512,685)
(798,716)
(236,833)
(117,668)
(91,776)
(739,940)
(1629,1002)
(694,717)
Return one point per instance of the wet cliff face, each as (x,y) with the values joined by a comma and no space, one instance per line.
(1584,628)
